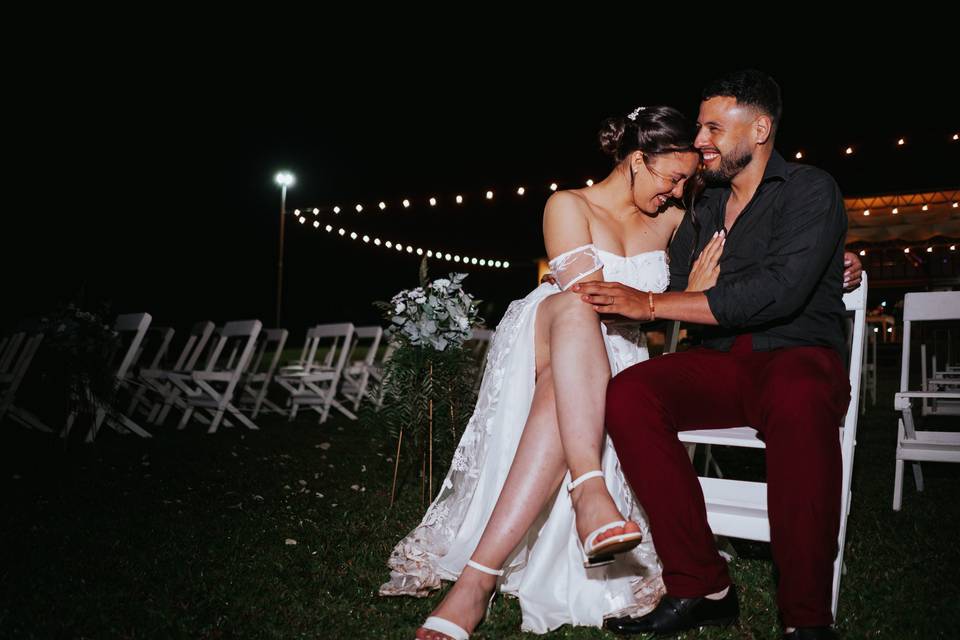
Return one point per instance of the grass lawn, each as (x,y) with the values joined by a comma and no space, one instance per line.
(186,535)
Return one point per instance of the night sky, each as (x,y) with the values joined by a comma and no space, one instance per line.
(154,190)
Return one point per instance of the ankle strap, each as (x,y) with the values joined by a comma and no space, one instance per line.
(587,476)
(487,570)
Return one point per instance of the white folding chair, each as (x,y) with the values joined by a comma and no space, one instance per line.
(737,508)
(314,380)
(132,328)
(912,444)
(213,388)
(260,372)
(154,346)
(16,354)
(157,378)
(936,379)
(356,374)
(375,386)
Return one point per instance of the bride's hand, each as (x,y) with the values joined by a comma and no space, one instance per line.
(706,268)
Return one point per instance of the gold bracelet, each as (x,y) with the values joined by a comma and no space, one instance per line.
(653,314)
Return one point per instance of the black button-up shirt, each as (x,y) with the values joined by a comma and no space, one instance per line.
(781,271)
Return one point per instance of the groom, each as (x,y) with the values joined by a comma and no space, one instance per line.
(770,358)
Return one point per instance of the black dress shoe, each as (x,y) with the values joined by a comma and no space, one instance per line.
(674,615)
(811,633)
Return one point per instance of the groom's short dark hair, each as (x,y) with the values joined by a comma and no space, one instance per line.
(751,87)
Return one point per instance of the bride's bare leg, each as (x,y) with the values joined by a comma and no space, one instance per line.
(581,371)
(541,460)
(537,470)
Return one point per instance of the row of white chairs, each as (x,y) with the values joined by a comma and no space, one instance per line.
(222,373)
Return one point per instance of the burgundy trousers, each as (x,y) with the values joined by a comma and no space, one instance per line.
(796,398)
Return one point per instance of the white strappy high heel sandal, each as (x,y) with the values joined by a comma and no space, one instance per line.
(456,632)
(597,555)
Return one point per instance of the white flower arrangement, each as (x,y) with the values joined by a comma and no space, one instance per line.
(438,315)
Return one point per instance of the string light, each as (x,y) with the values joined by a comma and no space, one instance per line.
(521,191)
(316,211)
(896,211)
(383,206)
(433,202)
(925,208)
(459,199)
(849,151)
(866,212)
(590,183)
(553,186)
(901,142)
(359,208)
(302,219)
(406,204)
(411,249)
(799,155)
(336,210)
(489,195)
(863,253)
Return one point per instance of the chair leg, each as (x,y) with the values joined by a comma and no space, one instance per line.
(918,476)
(898,486)
(242,419)
(217,417)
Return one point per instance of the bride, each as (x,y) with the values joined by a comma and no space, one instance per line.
(535,504)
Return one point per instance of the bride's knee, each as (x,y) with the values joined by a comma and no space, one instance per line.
(567,304)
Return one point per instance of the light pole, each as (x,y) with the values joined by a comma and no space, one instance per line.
(284,179)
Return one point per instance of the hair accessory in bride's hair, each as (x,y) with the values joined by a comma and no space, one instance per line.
(633,114)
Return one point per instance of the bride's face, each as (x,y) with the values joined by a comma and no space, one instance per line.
(661,178)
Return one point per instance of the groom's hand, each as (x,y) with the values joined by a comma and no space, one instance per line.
(853,272)
(614,297)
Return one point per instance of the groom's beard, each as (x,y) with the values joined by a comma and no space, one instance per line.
(730,165)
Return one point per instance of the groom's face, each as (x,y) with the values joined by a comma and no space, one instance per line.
(724,137)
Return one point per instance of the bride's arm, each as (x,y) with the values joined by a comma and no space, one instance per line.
(566,236)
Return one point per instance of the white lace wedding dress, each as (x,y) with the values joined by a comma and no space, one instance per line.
(546,570)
